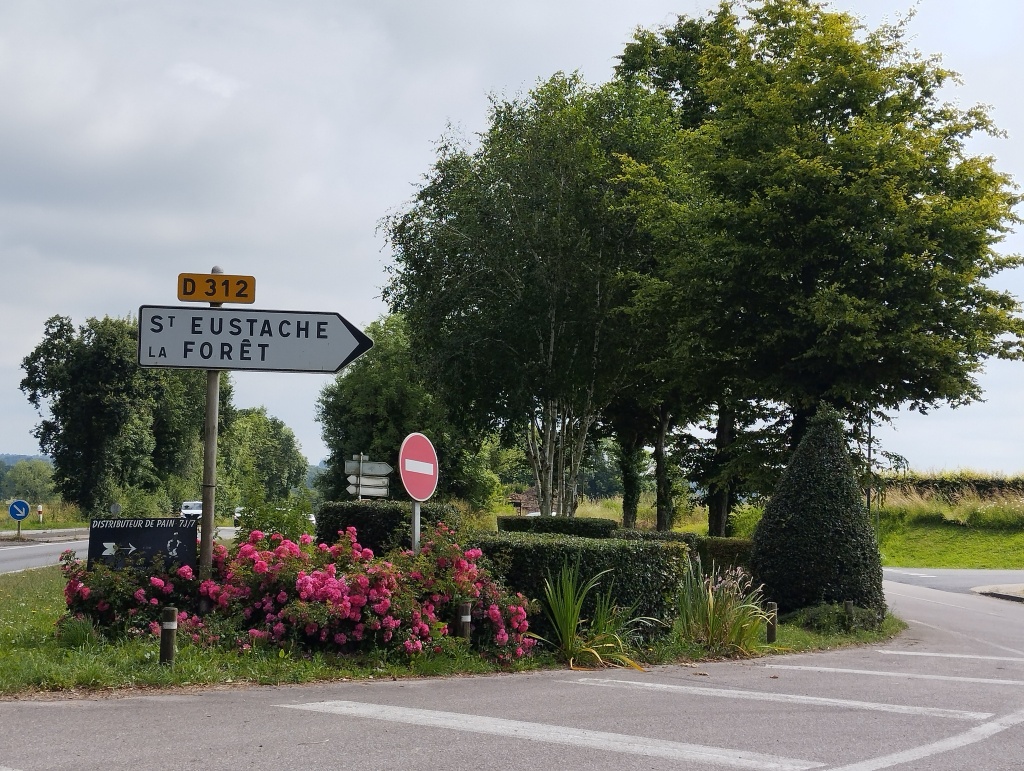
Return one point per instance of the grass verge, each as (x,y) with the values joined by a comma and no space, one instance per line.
(33,659)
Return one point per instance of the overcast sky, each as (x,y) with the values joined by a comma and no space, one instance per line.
(141,140)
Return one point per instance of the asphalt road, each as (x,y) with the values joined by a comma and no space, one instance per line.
(946,695)
(949,580)
(15,555)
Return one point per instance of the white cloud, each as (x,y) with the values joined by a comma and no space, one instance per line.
(205,79)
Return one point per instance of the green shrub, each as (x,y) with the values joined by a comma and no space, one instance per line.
(722,552)
(725,552)
(833,619)
(814,543)
(584,527)
(381,525)
(690,539)
(644,574)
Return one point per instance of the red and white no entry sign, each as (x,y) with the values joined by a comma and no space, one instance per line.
(417,465)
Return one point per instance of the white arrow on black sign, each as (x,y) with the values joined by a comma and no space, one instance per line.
(110,549)
(233,339)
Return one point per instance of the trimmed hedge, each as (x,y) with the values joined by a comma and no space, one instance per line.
(380,525)
(583,527)
(815,544)
(722,552)
(644,573)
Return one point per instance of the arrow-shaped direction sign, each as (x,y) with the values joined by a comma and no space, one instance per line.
(369,492)
(110,549)
(371,467)
(366,481)
(234,339)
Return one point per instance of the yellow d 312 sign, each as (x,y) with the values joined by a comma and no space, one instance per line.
(216,288)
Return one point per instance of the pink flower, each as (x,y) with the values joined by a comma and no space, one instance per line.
(255,536)
(154,601)
(156,582)
(84,592)
(305,539)
(260,567)
(185,572)
(154,628)
(140,595)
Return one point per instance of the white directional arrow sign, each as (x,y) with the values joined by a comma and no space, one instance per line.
(372,467)
(368,492)
(366,481)
(234,339)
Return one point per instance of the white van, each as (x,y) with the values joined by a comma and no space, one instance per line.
(192,509)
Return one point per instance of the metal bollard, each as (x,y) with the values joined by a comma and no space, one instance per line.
(168,635)
(465,619)
(773,621)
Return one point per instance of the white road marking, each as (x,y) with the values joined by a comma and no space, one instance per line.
(576,737)
(968,637)
(946,678)
(946,604)
(908,573)
(419,466)
(973,736)
(789,698)
(952,655)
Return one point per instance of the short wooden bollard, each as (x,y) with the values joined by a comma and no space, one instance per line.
(465,619)
(773,621)
(168,635)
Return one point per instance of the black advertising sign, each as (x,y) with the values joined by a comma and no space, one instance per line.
(115,542)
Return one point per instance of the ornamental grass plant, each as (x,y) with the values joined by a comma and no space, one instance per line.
(721,611)
(603,640)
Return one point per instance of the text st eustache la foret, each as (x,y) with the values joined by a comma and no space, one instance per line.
(247,336)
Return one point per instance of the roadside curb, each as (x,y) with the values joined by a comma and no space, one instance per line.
(1013,593)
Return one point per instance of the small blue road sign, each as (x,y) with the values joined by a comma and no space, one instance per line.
(18,510)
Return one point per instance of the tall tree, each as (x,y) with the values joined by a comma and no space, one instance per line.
(259,449)
(30,480)
(512,267)
(837,236)
(107,423)
(379,400)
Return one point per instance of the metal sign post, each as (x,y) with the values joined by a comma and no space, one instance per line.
(209,462)
(18,511)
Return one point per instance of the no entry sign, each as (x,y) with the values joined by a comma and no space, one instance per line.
(417,465)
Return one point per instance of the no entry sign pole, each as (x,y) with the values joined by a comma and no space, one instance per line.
(417,466)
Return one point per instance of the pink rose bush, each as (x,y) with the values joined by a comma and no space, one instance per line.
(340,598)
(127,601)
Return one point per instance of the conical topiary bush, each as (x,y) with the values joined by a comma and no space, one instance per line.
(814,543)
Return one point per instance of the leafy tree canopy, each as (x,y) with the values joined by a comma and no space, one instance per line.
(515,261)
(108,424)
(380,399)
(831,237)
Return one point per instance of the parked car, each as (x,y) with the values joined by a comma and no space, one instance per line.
(192,509)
